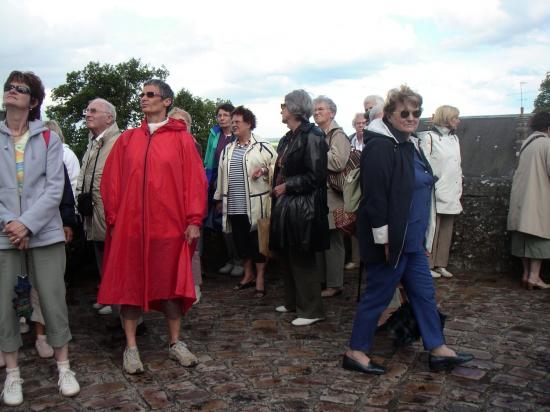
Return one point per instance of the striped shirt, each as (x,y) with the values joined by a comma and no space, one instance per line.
(236,196)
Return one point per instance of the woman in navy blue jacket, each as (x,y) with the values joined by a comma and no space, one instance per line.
(395,230)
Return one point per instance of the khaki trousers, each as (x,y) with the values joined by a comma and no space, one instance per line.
(46,269)
(439,257)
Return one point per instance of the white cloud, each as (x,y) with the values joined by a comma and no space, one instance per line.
(472,54)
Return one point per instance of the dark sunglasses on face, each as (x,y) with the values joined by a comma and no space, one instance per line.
(18,89)
(416,114)
(150,95)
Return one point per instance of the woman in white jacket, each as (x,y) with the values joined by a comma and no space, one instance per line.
(244,191)
(442,149)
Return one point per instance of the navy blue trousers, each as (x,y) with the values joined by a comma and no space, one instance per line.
(382,279)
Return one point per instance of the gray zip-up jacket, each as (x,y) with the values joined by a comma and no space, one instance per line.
(38,206)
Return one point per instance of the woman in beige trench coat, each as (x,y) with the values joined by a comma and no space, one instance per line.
(529,214)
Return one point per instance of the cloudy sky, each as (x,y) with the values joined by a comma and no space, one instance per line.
(470,54)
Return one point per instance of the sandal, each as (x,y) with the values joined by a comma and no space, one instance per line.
(260,293)
(242,286)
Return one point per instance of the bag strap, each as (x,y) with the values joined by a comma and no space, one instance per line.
(46,136)
(93,172)
(528,143)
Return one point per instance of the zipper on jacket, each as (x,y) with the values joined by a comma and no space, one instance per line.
(150,137)
(404,236)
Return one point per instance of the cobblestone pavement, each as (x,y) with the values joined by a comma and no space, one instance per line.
(253,359)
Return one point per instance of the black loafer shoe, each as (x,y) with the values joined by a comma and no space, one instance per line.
(372,368)
(446,363)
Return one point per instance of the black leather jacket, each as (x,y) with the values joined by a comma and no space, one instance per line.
(299,217)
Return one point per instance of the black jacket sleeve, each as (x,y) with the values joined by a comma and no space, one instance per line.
(67,206)
(377,161)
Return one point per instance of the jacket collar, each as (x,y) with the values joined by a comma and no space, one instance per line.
(379,127)
(442,130)
(35,127)
(173,125)
(107,134)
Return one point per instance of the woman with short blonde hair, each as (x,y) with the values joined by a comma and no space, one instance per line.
(442,149)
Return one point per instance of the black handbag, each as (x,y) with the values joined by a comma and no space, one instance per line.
(403,327)
(84,201)
(85,204)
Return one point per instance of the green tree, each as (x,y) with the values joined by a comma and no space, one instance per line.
(542,101)
(202,111)
(120,84)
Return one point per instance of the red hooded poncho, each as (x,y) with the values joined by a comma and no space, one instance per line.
(153,187)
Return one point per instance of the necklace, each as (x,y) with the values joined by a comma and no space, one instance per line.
(243,145)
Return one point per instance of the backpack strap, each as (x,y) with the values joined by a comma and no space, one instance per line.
(46,136)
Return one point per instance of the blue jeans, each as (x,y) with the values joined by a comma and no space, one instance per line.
(382,279)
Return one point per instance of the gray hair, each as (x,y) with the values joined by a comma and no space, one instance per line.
(358,114)
(109,107)
(54,127)
(299,104)
(328,101)
(373,98)
(165,90)
(376,111)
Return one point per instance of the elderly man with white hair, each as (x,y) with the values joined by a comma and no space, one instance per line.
(100,116)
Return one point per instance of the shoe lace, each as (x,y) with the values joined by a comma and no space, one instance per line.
(180,347)
(66,377)
(132,356)
(11,385)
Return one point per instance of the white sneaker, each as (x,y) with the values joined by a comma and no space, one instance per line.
(237,271)
(131,361)
(282,309)
(97,306)
(43,347)
(225,269)
(12,395)
(435,275)
(350,266)
(68,385)
(444,272)
(105,310)
(179,352)
(305,321)
(23,326)
(2,361)
(198,294)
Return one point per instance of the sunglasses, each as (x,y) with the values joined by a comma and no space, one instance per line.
(18,89)
(416,114)
(150,95)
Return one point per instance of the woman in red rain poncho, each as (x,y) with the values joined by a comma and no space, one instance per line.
(154,193)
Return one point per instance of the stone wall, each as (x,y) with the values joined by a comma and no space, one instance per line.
(480,241)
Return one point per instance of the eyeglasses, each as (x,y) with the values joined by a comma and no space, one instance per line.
(18,89)
(93,111)
(150,95)
(283,106)
(405,113)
